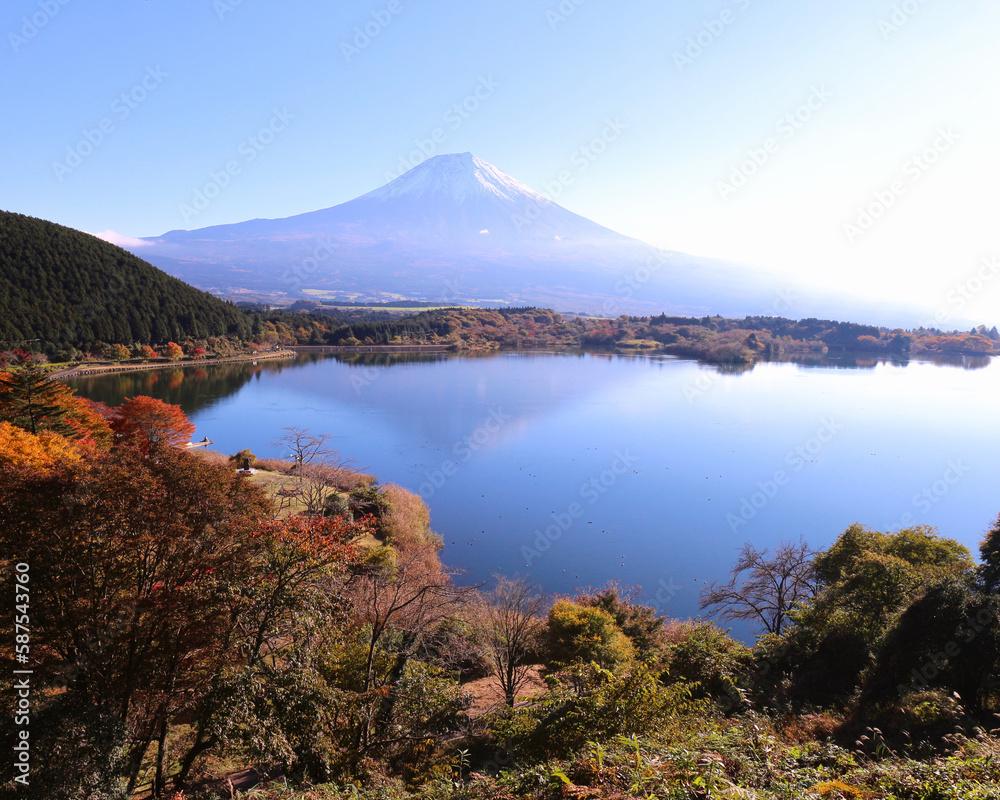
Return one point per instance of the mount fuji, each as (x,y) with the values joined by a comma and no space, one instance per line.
(457,229)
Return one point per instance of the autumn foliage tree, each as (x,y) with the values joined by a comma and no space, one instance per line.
(580,634)
(147,422)
(398,602)
(118,352)
(173,351)
(142,560)
(30,400)
(19,448)
(273,693)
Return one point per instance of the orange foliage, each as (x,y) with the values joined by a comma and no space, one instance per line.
(42,452)
(90,424)
(320,539)
(407,523)
(145,421)
(945,343)
(977,344)
(73,416)
(173,351)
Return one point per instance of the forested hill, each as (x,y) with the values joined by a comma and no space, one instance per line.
(61,285)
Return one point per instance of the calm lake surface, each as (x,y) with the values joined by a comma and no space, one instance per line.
(576,468)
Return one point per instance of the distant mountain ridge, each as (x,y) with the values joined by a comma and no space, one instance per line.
(457,228)
(65,286)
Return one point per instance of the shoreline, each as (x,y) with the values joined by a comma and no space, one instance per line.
(106,369)
(292,352)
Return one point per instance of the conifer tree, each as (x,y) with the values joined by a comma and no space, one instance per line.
(29,400)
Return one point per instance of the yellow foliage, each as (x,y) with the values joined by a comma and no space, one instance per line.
(41,452)
(836,789)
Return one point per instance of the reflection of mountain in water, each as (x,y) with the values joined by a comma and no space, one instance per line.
(192,388)
(197,388)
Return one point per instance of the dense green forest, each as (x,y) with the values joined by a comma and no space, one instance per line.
(63,286)
(187,623)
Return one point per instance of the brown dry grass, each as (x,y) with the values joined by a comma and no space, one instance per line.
(811,727)
(343,478)
(275,475)
(486,695)
(211,456)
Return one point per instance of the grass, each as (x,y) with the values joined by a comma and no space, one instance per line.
(704,757)
(272,476)
(273,482)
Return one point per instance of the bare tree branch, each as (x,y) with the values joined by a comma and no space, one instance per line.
(511,621)
(763,589)
(306,448)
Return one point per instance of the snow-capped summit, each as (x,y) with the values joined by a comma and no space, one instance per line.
(458,175)
(444,203)
(455,227)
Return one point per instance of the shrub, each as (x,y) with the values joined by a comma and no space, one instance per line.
(580,634)
(244,459)
(638,622)
(82,748)
(699,652)
(596,705)
(839,790)
(406,519)
(931,709)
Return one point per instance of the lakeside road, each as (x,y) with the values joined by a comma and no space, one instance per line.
(102,369)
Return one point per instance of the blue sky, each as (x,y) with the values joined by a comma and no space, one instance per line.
(749,130)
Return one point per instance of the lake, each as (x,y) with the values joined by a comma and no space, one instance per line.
(577,468)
